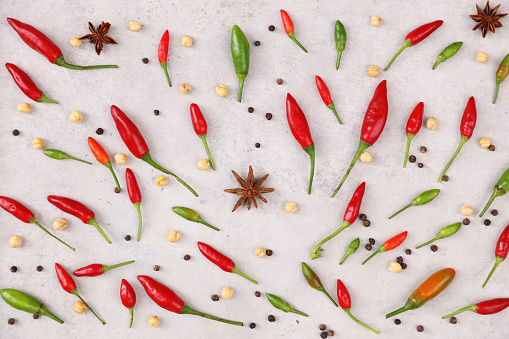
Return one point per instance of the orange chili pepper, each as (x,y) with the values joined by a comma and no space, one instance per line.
(103,157)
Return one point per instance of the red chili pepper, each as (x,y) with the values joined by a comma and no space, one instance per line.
(42,44)
(501,251)
(169,300)
(135,195)
(97,269)
(103,157)
(27,85)
(346,303)
(466,128)
(79,210)
(68,284)
(133,139)
(128,298)
(484,307)
(300,130)
(162,53)
(200,127)
(416,36)
(413,126)
(390,244)
(21,212)
(288,25)
(325,94)
(372,126)
(222,261)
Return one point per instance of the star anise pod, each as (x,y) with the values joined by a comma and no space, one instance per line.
(250,190)
(98,36)
(487,19)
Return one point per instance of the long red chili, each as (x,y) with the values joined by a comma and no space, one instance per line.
(27,85)
(390,244)
(289,29)
(94,270)
(162,53)
(413,126)
(484,307)
(200,127)
(133,139)
(21,212)
(103,158)
(170,301)
(501,251)
(222,261)
(128,298)
(42,44)
(372,126)
(134,195)
(300,130)
(325,94)
(79,210)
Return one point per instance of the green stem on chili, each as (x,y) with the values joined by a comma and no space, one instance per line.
(94,223)
(110,167)
(140,224)
(463,140)
(360,322)
(189,310)
(362,147)
(317,250)
(75,292)
(203,137)
(406,44)
(310,150)
(164,65)
(34,221)
(61,62)
(242,274)
(409,141)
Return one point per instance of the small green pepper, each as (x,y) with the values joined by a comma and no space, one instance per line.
(421,199)
(279,303)
(314,281)
(501,188)
(240,55)
(340,37)
(444,233)
(502,72)
(354,245)
(27,303)
(191,215)
(448,52)
(59,155)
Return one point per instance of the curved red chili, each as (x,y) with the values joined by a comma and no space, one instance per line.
(413,126)
(390,244)
(27,85)
(484,307)
(200,127)
(501,251)
(325,94)
(94,270)
(162,53)
(128,298)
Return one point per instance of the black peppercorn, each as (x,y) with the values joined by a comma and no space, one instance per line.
(257,145)
(14,269)
(494,212)
(39,268)
(156,112)
(434,248)
(11,321)
(330,333)
(35,316)
(117,190)
(258,294)
(445,178)
(420,165)
(214,297)
(250,109)
(99,131)
(420,328)
(252,325)
(423,149)
(487,222)
(272,28)
(371,241)
(403,266)
(157,268)
(279,81)
(271,318)
(491,148)
(257,43)
(368,247)
(269,252)
(412,158)
(145,60)
(187,257)
(322,327)
(15,132)
(366,223)
(399,260)
(268,116)
(363,217)
(397,321)
(453,320)
(323,335)
(408,251)
(127,238)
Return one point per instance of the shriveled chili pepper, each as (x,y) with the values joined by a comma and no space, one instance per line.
(325,94)
(103,157)
(191,215)
(59,155)
(200,127)
(222,261)
(448,52)
(133,139)
(422,199)
(501,251)
(288,25)
(340,38)
(300,130)
(21,212)
(413,126)
(26,303)
(351,213)
(372,126)
(314,281)
(135,196)
(484,307)
(346,303)
(501,188)
(162,53)
(502,72)
(416,36)
(445,232)
(79,210)
(430,288)
(167,299)
(94,270)
(389,245)
(354,245)
(466,129)
(279,303)
(42,44)
(69,286)
(27,85)
(240,54)
(128,298)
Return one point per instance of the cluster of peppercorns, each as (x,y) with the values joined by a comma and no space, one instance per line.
(365,220)
(413,159)
(324,333)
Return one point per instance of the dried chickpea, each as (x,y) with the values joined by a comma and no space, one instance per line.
(60,224)
(431,124)
(134,26)
(15,241)
(373,71)
(221,90)
(185,88)
(260,252)
(481,57)
(24,107)
(366,157)
(153,321)
(395,267)
(37,143)
(186,41)
(227,292)
(75,42)
(79,307)
(467,210)
(120,158)
(203,164)
(174,236)
(76,116)
(161,180)
(291,207)
(485,142)
(376,20)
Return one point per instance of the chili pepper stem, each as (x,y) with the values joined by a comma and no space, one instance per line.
(61,62)
(362,147)
(498,260)
(164,65)
(347,310)
(292,36)
(131,310)
(94,223)
(463,140)
(379,250)
(34,221)
(108,164)
(311,151)
(140,223)
(207,224)
(298,312)
(44,98)
(401,210)
(107,268)
(490,201)
(496,91)
(44,311)
(333,108)
(338,59)
(75,292)
(408,306)
(242,77)
(409,141)
(406,44)
(468,308)
(316,253)
(189,310)
(204,139)
(73,158)
(328,295)
(429,242)
(242,274)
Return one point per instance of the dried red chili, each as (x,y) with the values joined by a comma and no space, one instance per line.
(413,127)
(501,251)
(162,53)
(27,85)
(325,94)
(128,298)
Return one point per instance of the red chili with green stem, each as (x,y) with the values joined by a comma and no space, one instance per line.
(79,210)
(200,127)
(466,129)
(59,155)
(314,281)
(501,188)
(26,303)
(300,130)
(162,53)
(421,199)
(94,270)
(68,284)
(103,157)
(289,29)
(413,126)
(167,299)
(135,196)
(416,36)
(191,215)
(390,244)
(128,298)
(501,75)
(135,142)
(372,126)
(27,85)
(351,213)
(222,261)
(484,307)
(21,212)
(501,251)
(325,94)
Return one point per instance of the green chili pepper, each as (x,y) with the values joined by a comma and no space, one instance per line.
(59,155)
(191,215)
(444,233)
(501,188)
(354,245)
(279,303)
(502,72)
(240,54)
(27,303)
(422,199)
(314,281)
(448,52)
(340,37)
